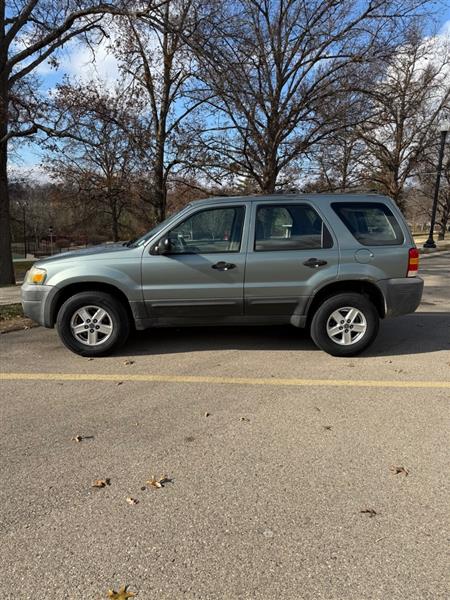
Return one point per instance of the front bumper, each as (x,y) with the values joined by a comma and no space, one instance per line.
(402,296)
(35,302)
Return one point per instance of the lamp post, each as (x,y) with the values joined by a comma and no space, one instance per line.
(444,129)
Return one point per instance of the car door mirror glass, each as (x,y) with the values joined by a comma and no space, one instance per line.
(163,246)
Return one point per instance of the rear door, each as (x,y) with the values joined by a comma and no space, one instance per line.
(202,272)
(291,253)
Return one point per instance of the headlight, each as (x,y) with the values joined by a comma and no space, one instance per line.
(36,275)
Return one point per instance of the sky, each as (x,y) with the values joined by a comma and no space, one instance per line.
(76,61)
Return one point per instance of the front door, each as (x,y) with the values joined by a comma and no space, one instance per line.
(291,254)
(201,272)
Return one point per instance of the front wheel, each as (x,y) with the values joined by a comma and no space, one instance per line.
(92,323)
(345,324)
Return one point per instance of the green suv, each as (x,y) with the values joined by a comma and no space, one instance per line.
(335,264)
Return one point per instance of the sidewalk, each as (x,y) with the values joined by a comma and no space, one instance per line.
(10,295)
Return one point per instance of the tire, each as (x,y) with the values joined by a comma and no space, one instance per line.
(328,325)
(83,334)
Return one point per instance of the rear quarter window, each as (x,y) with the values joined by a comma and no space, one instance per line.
(371,223)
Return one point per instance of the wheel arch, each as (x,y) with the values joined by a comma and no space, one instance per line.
(367,288)
(71,289)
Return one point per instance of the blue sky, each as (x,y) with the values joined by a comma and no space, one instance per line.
(76,61)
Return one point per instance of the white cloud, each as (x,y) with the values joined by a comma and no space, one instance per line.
(84,63)
(32,173)
(445,29)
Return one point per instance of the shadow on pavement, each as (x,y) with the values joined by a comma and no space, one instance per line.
(413,334)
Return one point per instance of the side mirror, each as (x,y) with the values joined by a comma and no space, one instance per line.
(161,247)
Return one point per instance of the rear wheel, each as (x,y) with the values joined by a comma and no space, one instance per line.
(345,324)
(93,323)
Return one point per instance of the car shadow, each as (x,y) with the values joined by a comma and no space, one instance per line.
(412,334)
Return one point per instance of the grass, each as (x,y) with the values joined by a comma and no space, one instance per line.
(13,319)
(8,312)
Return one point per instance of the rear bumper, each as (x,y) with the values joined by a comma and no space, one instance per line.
(35,302)
(401,296)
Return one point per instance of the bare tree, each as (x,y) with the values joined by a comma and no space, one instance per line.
(274,64)
(98,156)
(407,99)
(31,31)
(160,67)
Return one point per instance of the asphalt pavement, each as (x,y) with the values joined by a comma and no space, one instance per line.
(291,474)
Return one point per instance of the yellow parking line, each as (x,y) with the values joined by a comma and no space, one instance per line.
(273,381)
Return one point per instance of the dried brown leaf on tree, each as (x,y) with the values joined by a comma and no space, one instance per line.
(400,470)
(101,483)
(122,594)
(369,511)
(158,483)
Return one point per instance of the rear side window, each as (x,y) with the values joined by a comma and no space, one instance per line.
(372,223)
(290,227)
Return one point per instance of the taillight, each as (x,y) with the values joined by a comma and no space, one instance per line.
(413,262)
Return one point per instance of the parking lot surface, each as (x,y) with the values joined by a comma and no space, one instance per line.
(291,474)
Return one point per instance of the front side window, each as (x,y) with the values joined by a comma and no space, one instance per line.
(371,223)
(290,227)
(209,231)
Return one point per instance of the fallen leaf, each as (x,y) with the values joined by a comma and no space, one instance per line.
(90,359)
(119,382)
(132,500)
(244,419)
(350,365)
(128,362)
(328,427)
(122,594)
(80,438)
(370,511)
(317,408)
(398,470)
(158,483)
(207,414)
(101,483)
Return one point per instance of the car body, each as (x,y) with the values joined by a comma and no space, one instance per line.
(258,260)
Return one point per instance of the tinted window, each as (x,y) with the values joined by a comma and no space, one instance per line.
(290,227)
(210,230)
(372,223)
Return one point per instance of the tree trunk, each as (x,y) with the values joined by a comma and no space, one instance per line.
(6,265)
(115,228)
(270,174)
(160,191)
(114,219)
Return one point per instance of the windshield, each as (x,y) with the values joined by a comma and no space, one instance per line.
(142,240)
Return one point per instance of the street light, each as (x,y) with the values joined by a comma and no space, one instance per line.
(444,129)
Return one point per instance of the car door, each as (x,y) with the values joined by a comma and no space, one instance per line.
(292,252)
(201,271)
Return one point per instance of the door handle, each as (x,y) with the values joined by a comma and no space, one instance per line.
(314,263)
(223,266)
